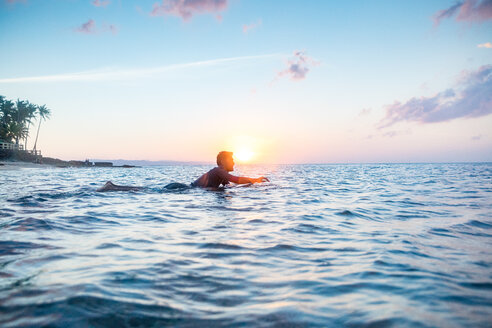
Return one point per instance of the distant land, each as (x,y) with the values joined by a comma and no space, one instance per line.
(119,162)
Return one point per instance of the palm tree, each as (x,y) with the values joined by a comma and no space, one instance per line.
(23,116)
(31,113)
(8,115)
(15,131)
(43,113)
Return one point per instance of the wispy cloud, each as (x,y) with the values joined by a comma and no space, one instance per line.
(249,27)
(466,11)
(298,66)
(485,45)
(186,9)
(477,137)
(392,134)
(90,28)
(101,3)
(124,74)
(471,97)
(87,28)
(15,1)
(365,112)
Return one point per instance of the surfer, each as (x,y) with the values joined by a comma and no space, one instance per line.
(213,179)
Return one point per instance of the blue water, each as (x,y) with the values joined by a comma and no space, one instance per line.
(319,246)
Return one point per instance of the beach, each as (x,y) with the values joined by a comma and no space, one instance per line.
(17,165)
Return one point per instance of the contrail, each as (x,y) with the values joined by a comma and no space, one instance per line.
(118,74)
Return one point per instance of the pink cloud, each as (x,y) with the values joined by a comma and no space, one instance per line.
(485,45)
(298,66)
(15,1)
(392,134)
(471,97)
(466,11)
(90,28)
(187,8)
(247,28)
(101,3)
(87,28)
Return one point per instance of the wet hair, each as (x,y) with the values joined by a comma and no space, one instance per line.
(222,155)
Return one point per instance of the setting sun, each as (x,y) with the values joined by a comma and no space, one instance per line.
(246,149)
(244,155)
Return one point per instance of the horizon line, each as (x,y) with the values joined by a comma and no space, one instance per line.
(188,162)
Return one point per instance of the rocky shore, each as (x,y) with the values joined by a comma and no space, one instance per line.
(15,159)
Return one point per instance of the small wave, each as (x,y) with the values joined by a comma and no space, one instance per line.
(479,224)
(409,253)
(6,212)
(29,224)
(487,285)
(306,228)
(347,288)
(354,214)
(286,247)
(345,213)
(28,201)
(347,249)
(233,209)
(257,221)
(19,247)
(107,245)
(85,310)
(442,232)
(220,246)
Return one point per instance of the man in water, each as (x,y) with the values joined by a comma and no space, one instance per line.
(213,179)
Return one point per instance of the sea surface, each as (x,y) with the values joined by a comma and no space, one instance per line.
(371,245)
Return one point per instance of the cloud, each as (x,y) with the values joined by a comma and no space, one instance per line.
(101,3)
(247,28)
(477,137)
(124,74)
(472,97)
(15,1)
(466,11)
(90,28)
(392,134)
(389,134)
(485,45)
(365,112)
(113,29)
(298,66)
(187,8)
(87,28)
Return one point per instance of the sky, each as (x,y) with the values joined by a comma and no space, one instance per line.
(274,81)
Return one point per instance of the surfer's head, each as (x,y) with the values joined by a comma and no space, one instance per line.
(225,160)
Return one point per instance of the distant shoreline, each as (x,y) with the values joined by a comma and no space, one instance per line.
(15,164)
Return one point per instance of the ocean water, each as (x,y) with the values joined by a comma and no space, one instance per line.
(400,245)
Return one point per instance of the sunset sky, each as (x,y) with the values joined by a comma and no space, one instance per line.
(288,81)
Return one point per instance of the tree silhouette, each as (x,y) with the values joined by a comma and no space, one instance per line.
(43,113)
(16,119)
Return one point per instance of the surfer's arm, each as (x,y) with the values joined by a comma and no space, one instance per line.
(244,180)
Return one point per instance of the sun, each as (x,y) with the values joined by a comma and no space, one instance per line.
(244,155)
(246,149)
